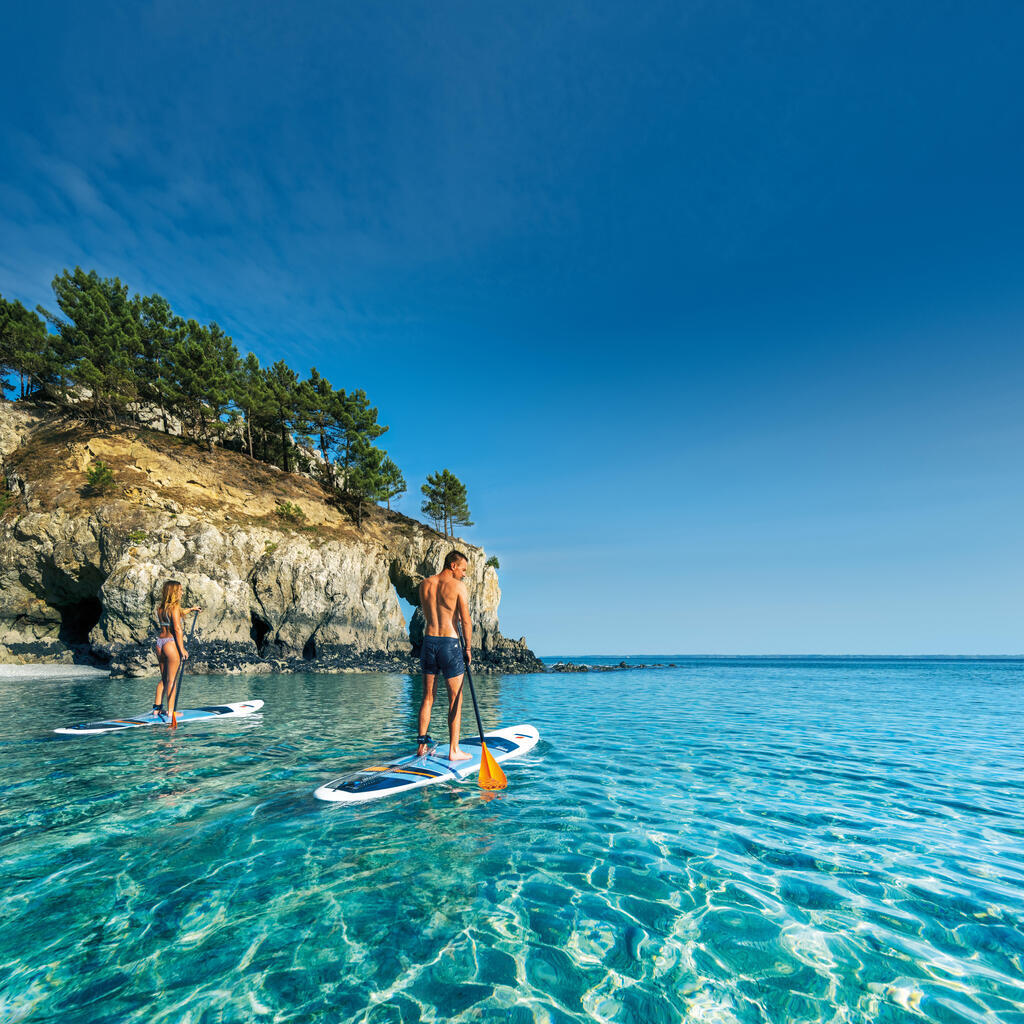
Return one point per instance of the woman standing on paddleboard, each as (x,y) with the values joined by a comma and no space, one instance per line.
(170,643)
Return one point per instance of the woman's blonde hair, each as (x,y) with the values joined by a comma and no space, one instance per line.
(171,597)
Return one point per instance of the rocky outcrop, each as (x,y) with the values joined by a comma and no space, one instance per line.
(572,666)
(80,575)
(16,423)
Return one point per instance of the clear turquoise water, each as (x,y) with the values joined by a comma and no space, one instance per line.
(723,841)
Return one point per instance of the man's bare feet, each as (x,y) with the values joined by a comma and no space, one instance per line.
(459,755)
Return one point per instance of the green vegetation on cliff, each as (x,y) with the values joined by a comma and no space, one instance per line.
(100,478)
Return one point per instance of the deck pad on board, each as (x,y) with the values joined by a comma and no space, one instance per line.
(202,714)
(412,772)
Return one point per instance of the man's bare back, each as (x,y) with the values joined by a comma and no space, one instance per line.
(441,597)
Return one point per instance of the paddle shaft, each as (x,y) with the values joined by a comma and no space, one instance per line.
(469,679)
(173,702)
(491,775)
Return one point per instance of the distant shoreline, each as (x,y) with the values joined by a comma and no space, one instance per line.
(576,663)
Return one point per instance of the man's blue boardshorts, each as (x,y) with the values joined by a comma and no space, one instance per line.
(442,655)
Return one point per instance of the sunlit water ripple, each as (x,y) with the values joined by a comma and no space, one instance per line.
(720,841)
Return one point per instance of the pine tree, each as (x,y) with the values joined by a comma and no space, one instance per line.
(282,386)
(446,501)
(364,479)
(23,346)
(392,481)
(99,344)
(222,363)
(8,359)
(201,367)
(252,399)
(357,425)
(100,478)
(159,331)
(321,404)
(8,346)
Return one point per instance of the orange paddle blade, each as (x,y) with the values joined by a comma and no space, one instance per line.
(174,719)
(491,775)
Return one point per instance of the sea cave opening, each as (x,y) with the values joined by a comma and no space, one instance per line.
(258,632)
(77,620)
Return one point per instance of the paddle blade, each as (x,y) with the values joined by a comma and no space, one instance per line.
(491,775)
(174,719)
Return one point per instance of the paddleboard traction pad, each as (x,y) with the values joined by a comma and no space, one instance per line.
(412,772)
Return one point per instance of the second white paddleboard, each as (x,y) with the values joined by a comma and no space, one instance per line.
(203,714)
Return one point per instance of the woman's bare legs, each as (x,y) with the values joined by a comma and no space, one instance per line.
(168,658)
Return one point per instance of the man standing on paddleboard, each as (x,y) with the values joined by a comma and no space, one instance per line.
(442,598)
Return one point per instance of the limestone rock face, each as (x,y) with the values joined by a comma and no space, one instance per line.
(16,423)
(51,568)
(80,576)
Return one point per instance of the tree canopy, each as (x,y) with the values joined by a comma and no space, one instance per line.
(114,356)
(23,347)
(446,502)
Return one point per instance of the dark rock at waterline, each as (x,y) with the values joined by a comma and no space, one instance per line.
(569,666)
(218,657)
(51,653)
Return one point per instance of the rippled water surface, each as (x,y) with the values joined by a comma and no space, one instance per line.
(719,841)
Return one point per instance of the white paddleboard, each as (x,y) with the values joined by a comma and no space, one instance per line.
(203,714)
(412,772)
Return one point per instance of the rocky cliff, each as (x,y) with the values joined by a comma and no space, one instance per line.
(80,573)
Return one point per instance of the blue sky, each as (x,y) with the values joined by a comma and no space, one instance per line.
(725,302)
